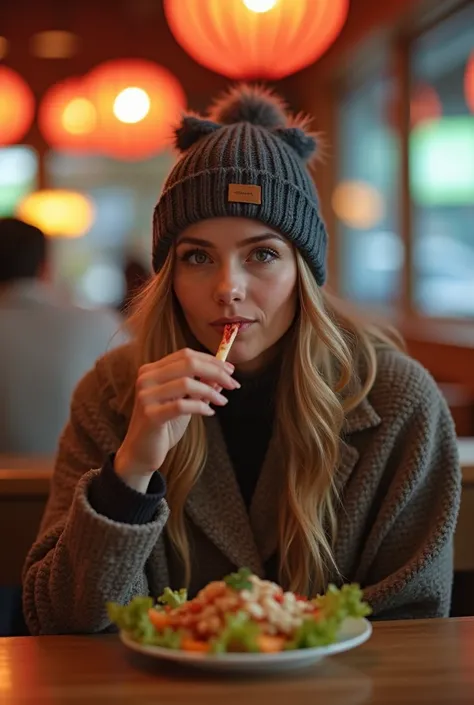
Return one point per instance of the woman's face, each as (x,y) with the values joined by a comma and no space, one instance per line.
(235,269)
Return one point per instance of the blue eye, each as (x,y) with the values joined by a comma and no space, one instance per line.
(264,255)
(195,257)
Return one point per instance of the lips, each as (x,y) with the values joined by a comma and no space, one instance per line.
(220,323)
(228,321)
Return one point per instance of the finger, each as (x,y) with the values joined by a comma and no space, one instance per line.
(213,374)
(162,413)
(180,388)
(189,354)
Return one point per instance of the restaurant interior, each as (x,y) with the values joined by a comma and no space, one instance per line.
(89,91)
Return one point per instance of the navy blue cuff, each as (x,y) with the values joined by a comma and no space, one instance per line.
(111,497)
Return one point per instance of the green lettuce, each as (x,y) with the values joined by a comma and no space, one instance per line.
(134,620)
(336,605)
(343,602)
(239,634)
(173,598)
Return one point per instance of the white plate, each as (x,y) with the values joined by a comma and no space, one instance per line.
(353,633)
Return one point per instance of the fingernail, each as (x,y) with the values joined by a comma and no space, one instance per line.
(221,399)
(230,366)
(237,385)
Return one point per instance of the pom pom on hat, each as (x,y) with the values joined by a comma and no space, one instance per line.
(253,104)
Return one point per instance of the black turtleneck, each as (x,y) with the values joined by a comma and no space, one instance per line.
(247,423)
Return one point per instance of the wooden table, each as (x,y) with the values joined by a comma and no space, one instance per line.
(404,663)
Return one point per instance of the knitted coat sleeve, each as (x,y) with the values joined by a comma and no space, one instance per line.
(81,559)
(409,551)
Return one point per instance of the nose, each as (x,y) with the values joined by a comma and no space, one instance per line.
(230,285)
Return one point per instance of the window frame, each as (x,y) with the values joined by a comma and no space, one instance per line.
(397,45)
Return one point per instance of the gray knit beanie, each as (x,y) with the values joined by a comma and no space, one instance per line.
(247,158)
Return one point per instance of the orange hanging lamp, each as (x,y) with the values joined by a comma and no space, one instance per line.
(137,104)
(256,39)
(17,106)
(67,117)
(469,83)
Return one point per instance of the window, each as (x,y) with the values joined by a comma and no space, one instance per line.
(365,200)
(442,168)
(435,217)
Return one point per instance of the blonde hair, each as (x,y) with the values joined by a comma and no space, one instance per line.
(321,381)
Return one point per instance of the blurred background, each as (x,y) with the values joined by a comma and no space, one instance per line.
(88,91)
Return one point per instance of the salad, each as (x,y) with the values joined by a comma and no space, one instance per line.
(240,613)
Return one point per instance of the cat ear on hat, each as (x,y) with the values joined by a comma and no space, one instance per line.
(302,142)
(192,129)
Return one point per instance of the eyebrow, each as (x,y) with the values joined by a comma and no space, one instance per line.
(242,243)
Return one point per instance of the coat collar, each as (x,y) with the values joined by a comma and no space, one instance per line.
(216,506)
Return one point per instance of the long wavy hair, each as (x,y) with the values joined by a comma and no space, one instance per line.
(329,367)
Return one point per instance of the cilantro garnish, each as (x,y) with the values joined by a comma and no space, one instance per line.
(240,580)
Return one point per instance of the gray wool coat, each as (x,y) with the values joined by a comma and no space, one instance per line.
(399,479)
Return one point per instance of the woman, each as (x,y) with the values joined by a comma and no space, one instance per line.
(328,456)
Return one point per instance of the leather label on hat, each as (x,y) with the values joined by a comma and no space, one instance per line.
(245,193)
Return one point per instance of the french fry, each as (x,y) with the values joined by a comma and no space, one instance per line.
(230,334)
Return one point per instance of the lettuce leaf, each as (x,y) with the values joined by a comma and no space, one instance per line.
(343,602)
(133,619)
(173,598)
(335,606)
(239,634)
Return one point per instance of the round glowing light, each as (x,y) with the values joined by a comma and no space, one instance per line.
(79,117)
(255,39)
(137,104)
(131,105)
(58,213)
(358,204)
(67,117)
(17,106)
(260,5)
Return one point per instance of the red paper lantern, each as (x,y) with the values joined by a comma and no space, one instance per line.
(17,106)
(469,83)
(67,117)
(137,104)
(256,39)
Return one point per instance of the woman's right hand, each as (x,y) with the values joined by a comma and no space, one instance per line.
(167,394)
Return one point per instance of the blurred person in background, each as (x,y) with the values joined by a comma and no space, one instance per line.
(46,344)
